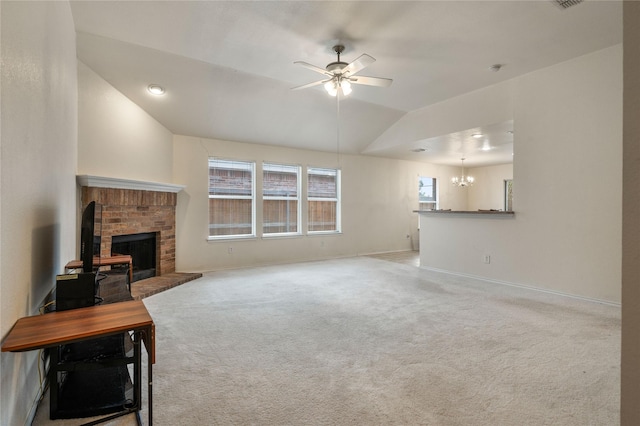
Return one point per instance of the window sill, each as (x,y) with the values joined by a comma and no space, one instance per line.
(467,212)
(280,236)
(231,237)
(314,233)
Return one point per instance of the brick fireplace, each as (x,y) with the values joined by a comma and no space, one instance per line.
(133,207)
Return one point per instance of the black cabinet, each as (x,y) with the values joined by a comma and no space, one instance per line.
(95,377)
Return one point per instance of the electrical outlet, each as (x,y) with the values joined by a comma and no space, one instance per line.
(230,250)
(487,259)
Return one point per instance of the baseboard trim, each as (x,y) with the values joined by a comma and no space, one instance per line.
(523,286)
(387,252)
(36,403)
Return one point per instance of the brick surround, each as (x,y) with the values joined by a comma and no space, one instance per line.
(133,211)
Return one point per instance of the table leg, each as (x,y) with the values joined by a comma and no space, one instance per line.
(149,342)
(150,398)
(137,370)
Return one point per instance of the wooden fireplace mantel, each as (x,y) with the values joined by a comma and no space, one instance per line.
(117,183)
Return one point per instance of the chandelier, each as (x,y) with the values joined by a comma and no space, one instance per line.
(462,180)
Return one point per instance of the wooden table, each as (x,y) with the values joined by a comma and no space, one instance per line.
(121,259)
(75,325)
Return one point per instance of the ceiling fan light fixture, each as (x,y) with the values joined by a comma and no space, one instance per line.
(345,85)
(331,87)
(342,75)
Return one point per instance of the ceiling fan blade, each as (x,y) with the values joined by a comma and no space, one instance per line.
(304,86)
(371,81)
(361,61)
(314,68)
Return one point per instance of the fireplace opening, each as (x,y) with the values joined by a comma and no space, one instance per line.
(141,248)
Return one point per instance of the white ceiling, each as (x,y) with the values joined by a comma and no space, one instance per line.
(228,66)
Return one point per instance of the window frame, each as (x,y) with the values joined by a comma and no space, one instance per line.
(337,199)
(298,199)
(434,192)
(508,195)
(252,168)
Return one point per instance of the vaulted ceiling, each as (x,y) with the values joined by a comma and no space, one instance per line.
(228,66)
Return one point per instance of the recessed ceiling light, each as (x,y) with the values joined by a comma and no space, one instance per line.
(477,135)
(155,89)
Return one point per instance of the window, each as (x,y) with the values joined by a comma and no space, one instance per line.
(281,199)
(508,195)
(231,199)
(323,195)
(427,193)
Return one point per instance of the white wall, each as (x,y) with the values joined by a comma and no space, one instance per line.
(116,138)
(630,361)
(451,197)
(566,234)
(379,196)
(38,167)
(489,105)
(488,190)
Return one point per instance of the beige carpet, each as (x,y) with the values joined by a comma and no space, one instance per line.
(362,341)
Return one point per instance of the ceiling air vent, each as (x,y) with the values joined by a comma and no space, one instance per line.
(567,3)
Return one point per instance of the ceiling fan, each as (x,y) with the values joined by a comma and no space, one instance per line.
(341,75)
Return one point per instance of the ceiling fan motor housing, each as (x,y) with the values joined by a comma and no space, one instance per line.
(336,67)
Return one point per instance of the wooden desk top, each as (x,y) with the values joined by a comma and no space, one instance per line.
(101,261)
(58,328)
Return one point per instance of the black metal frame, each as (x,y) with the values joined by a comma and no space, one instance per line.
(56,365)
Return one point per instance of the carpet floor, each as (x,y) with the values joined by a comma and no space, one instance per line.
(364,341)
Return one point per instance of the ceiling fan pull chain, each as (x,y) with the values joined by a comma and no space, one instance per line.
(338,129)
